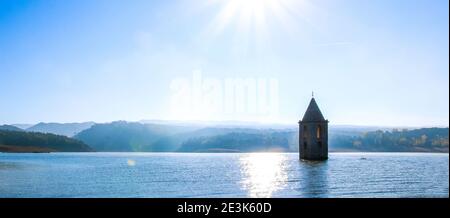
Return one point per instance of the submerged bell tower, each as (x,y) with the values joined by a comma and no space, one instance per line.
(313,134)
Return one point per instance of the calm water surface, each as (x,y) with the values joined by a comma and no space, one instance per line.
(223,175)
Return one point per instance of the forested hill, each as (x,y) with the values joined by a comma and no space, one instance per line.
(416,140)
(20,141)
(121,136)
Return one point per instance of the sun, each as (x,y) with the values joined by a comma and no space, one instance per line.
(251,8)
(250,24)
(249,13)
(257,14)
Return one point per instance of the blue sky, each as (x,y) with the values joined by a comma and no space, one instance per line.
(369,62)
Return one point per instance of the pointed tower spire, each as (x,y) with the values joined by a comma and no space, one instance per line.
(313,113)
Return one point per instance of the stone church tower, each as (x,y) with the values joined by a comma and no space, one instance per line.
(313,134)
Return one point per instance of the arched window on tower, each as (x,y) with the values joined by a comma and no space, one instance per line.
(319,132)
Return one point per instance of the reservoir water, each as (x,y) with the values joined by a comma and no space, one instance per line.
(150,175)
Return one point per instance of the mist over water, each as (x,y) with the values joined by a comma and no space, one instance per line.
(223,175)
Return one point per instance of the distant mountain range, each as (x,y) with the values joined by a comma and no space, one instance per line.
(174,136)
(10,128)
(22,126)
(65,129)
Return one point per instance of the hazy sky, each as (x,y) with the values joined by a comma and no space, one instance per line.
(369,62)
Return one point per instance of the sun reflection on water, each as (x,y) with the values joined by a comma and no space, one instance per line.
(263,173)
